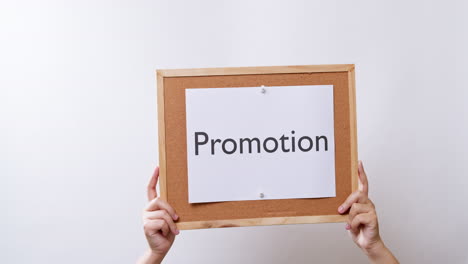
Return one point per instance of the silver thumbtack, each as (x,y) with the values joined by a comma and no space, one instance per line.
(262,195)
(263,89)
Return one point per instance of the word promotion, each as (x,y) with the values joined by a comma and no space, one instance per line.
(257,145)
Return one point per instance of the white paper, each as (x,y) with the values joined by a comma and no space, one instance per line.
(246,112)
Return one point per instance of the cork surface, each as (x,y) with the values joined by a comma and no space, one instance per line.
(176,180)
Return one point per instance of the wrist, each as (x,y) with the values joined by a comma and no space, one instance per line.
(375,249)
(151,257)
(379,253)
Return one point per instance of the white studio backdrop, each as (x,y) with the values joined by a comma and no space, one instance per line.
(78,127)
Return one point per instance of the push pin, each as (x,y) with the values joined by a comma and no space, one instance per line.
(263,89)
(262,195)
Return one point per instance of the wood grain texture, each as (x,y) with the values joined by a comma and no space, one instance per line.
(162,137)
(353,129)
(256,70)
(262,221)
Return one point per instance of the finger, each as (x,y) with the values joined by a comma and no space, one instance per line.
(363,183)
(152,193)
(355,197)
(165,229)
(358,208)
(153,226)
(159,204)
(163,214)
(362,219)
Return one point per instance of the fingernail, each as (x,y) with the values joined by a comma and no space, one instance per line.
(340,209)
(175,216)
(347,227)
(177,231)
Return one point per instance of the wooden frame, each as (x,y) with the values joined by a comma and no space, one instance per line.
(163,75)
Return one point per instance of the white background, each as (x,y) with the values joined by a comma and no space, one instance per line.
(78,135)
(246,112)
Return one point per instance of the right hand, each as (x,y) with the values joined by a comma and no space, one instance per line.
(158,221)
(362,222)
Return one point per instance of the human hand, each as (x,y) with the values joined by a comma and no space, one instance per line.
(158,222)
(362,222)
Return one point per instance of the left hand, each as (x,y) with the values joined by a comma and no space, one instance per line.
(159,224)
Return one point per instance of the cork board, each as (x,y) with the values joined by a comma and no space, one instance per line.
(173,145)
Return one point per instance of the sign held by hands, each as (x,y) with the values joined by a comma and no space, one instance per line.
(253,146)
